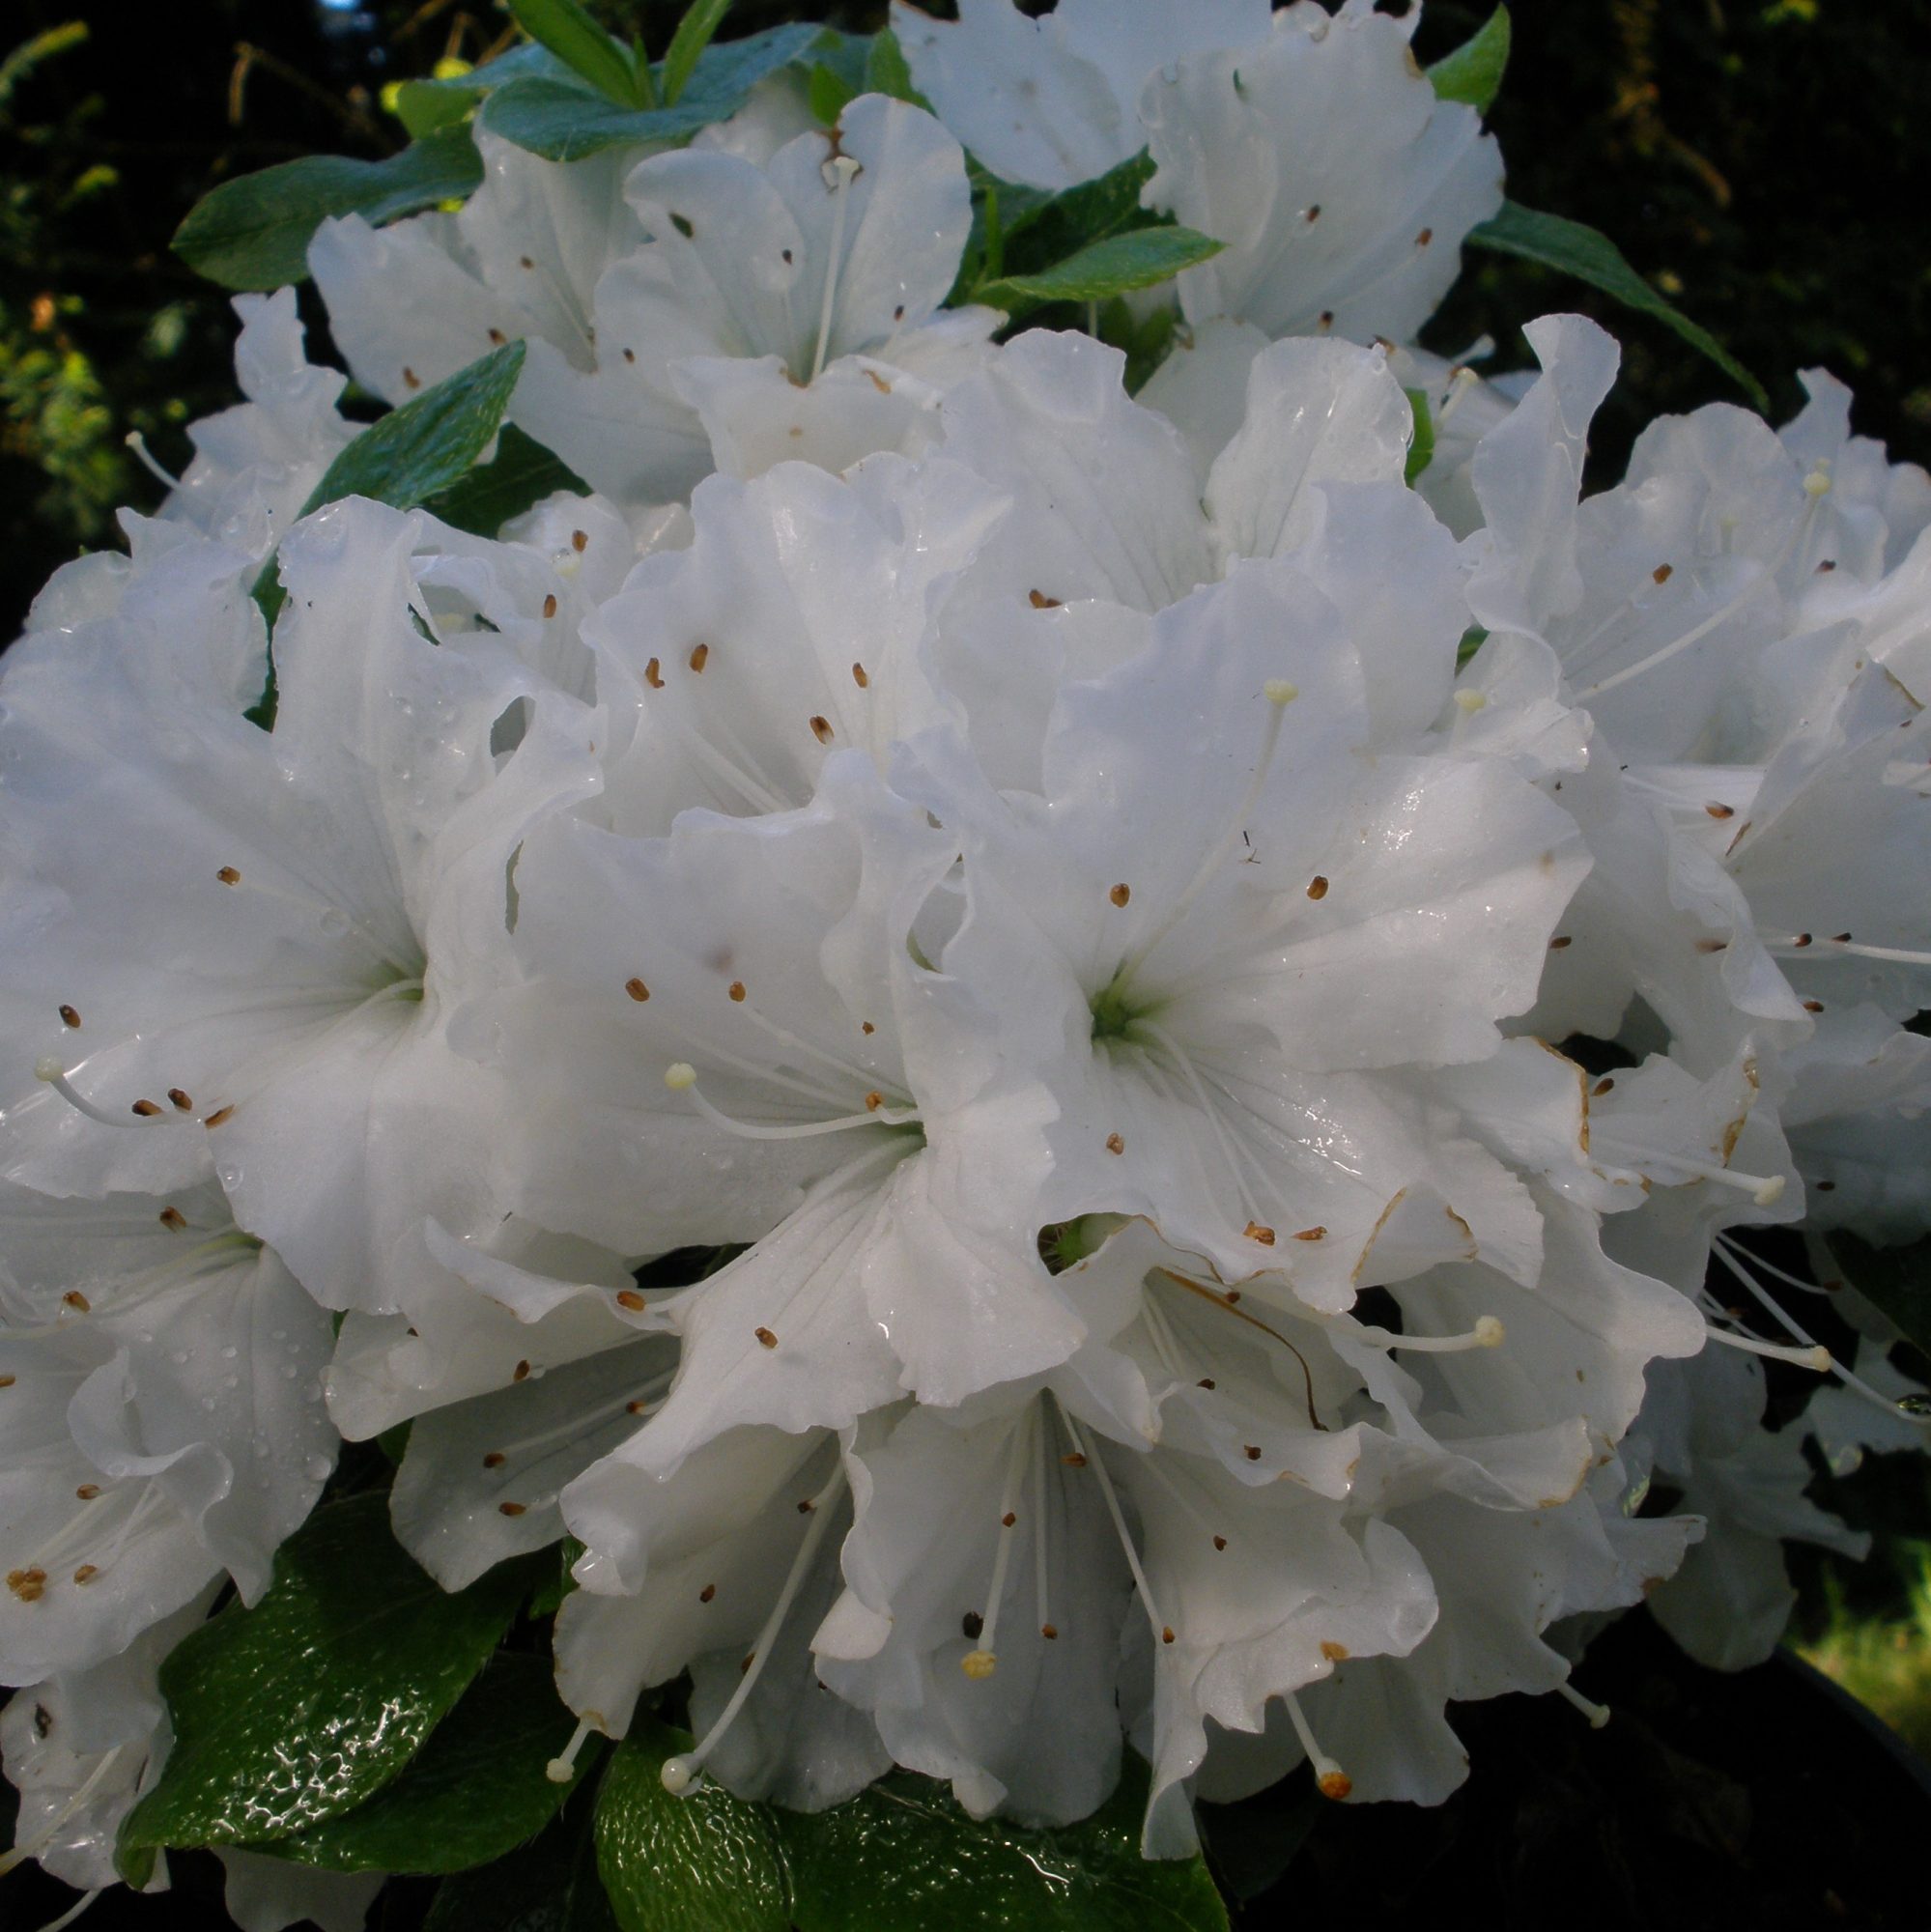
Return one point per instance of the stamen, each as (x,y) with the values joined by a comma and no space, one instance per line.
(839,171)
(680,1773)
(1815,1356)
(980,1664)
(1330,1781)
(1765,1189)
(71,1916)
(147,461)
(681,1077)
(50,1071)
(32,1848)
(1487,1333)
(561,1769)
(1597,1714)
(1843,943)
(1091,1457)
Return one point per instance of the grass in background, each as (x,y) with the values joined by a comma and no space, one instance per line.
(1885,1663)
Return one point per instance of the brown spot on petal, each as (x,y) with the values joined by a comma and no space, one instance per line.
(1119,895)
(1255,1231)
(495,1459)
(1074,1461)
(700,656)
(1813,1005)
(1220,1543)
(1317,887)
(705,1594)
(146,1109)
(1166,1634)
(736,991)
(1207,1382)
(859,677)
(550,605)
(7,1382)
(879,383)
(182,1103)
(765,1338)
(1115,1145)
(1251,1451)
(821,729)
(629,1298)
(78,1303)
(220,1117)
(1050,1631)
(1662,573)
(1008,1520)
(29,1585)
(865,1025)
(580,541)
(413,380)
(874,1102)
(86,1573)
(653,675)
(972,1624)
(1316,1233)
(1712,944)
(638,990)
(1720,811)
(229,876)
(1039,601)
(1335,1653)
(1425,235)
(511,1508)
(68,1017)
(1602,1086)
(497,337)
(1561,943)
(173,1217)
(86,1491)
(521,1373)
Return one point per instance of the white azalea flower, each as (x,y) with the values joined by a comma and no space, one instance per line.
(237,947)
(160,1411)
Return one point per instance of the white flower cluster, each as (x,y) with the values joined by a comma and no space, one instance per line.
(935,1023)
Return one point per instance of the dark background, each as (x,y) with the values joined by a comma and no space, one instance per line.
(1752,158)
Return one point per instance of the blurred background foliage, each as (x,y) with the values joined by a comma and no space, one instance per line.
(1752,158)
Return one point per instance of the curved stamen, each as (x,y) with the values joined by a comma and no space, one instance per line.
(1330,1781)
(840,173)
(561,1769)
(1597,1714)
(1815,1356)
(147,461)
(680,1773)
(681,1077)
(1765,1189)
(145,1113)
(980,1664)
(1487,1333)
(1163,1633)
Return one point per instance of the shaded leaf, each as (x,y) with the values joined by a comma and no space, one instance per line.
(1421,449)
(887,71)
(303,1707)
(1898,1280)
(1111,268)
(549,1886)
(476,1790)
(254,232)
(694,31)
(1593,257)
(570,33)
(517,478)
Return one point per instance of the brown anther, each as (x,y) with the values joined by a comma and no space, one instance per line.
(765,1338)
(874,1102)
(821,729)
(700,656)
(1207,1382)
(1844,938)
(1802,938)
(1335,1653)
(1720,811)
(1115,1145)
(86,1491)
(146,1109)
(1560,943)
(638,990)
(805,1507)
(521,1373)
(550,605)
(1662,573)
(1828,563)
(859,677)
(1713,946)
(1119,895)
(1039,601)
(219,1118)
(1232,1296)
(410,378)
(511,1508)
(1424,238)
(1008,1520)
(1251,1451)
(636,1407)
(736,991)
(1317,887)
(879,383)
(1813,1005)
(1166,1634)
(173,1217)
(1220,1543)
(750,1658)
(653,675)
(1335,1784)
(29,1585)
(1313,1234)
(1050,1631)
(495,1459)
(580,541)
(86,1573)
(1602,1086)
(899,314)
(1314,212)
(865,1025)
(629,1298)
(1327,318)
(1074,1460)
(229,876)
(182,1103)
(1826,1186)
(78,1303)
(972,1624)
(705,1594)
(7,1382)
(526,261)
(1255,1231)
(497,337)
(68,1017)
(630,355)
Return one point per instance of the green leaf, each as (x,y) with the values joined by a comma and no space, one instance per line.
(887,71)
(702,20)
(703,1862)
(1473,72)
(422,106)
(1898,1280)
(902,1856)
(548,1597)
(829,95)
(582,45)
(520,477)
(549,1886)
(1471,640)
(1045,229)
(1421,448)
(1109,268)
(412,454)
(300,1708)
(561,123)
(476,1790)
(1575,249)
(254,232)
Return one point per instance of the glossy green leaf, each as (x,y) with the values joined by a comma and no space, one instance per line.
(828,94)
(254,232)
(1473,72)
(1110,268)
(303,1707)
(476,1790)
(569,32)
(1421,447)
(561,123)
(1045,229)
(408,457)
(1898,1280)
(703,1862)
(517,478)
(424,107)
(1575,249)
(549,1886)
(694,32)
(902,1856)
